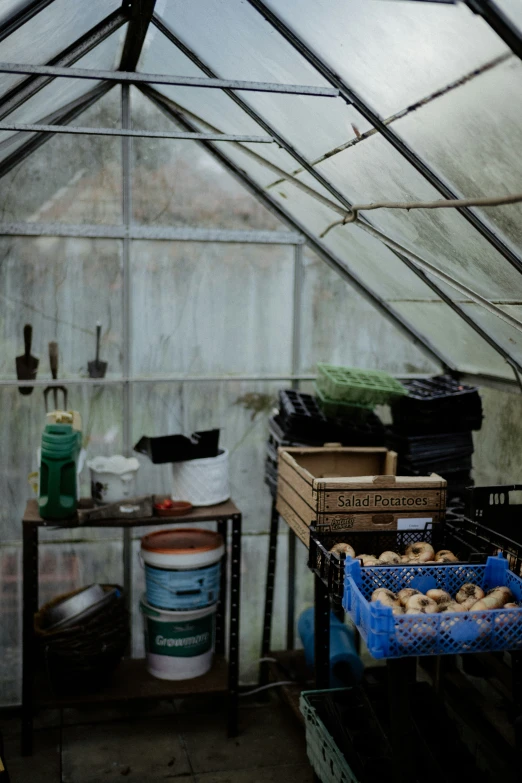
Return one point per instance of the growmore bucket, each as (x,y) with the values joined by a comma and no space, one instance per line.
(182,568)
(179,645)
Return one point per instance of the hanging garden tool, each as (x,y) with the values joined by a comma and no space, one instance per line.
(53,361)
(97,369)
(27,365)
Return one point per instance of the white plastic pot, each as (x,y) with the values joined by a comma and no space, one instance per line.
(203,482)
(112,478)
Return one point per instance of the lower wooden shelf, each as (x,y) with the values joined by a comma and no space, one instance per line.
(132,681)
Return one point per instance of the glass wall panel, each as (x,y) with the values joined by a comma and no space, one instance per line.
(205,309)
(70,179)
(175,181)
(331,308)
(63,287)
(393,54)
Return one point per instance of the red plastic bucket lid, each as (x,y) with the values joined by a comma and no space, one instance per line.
(183,540)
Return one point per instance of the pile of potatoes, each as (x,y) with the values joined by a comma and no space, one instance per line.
(418,553)
(470,598)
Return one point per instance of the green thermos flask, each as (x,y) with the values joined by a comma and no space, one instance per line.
(58,482)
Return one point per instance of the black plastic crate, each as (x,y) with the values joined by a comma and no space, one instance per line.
(499,507)
(330,567)
(437,405)
(301,420)
(472,537)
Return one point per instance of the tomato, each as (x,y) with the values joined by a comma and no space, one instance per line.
(168,503)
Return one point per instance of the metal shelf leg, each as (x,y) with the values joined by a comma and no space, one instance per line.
(290,612)
(233,654)
(322,635)
(222,605)
(30,606)
(401,678)
(269,593)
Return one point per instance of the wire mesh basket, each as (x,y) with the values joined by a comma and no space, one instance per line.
(396,636)
(351,385)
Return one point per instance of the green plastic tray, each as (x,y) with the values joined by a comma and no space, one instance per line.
(351,385)
(341,410)
(328,762)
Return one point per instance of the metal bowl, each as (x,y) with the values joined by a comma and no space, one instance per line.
(78,607)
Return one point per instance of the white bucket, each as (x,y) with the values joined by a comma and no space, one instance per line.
(179,645)
(112,478)
(203,482)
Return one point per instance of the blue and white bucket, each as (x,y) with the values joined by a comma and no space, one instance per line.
(182,568)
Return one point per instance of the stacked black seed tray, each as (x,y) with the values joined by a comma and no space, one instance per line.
(301,422)
(432,430)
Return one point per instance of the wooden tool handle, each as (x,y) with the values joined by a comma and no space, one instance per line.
(53,359)
(98,337)
(28,339)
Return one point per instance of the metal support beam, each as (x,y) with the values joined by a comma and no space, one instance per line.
(29,87)
(140,15)
(184,234)
(318,247)
(499,22)
(169,33)
(20,17)
(139,134)
(351,97)
(67,113)
(152,78)
(127,320)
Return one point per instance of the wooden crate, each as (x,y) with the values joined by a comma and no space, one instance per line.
(354,489)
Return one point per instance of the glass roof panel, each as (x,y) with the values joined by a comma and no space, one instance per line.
(60,92)
(212,106)
(373,171)
(479,151)
(507,336)
(513,10)
(49,32)
(226,36)
(392,53)
(451,335)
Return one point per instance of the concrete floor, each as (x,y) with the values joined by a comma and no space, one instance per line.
(182,741)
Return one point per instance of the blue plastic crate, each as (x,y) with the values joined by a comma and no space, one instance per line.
(397,636)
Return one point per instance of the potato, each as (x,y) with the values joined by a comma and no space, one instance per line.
(420,604)
(445,556)
(480,606)
(469,590)
(420,552)
(343,549)
(390,557)
(406,593)
(450,606)
(386,597)
(439,596)
(367,560)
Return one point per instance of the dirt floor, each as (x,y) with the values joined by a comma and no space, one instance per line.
(183,741)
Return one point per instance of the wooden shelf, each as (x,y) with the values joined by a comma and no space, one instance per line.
(131,681)
(223,511)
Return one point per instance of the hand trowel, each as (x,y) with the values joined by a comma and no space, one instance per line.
(26,365)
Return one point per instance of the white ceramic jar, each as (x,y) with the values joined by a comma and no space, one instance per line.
(112,478)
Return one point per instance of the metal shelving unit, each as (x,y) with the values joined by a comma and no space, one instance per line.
(131,681)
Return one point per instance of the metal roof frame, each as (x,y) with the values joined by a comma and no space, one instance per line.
(139,14)
(318,247)
(21,92)
(20,17)
(171,35)
(351,97)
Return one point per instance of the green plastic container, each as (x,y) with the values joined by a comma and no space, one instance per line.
(328,762)
(353,386)
(58,481)
(341,410)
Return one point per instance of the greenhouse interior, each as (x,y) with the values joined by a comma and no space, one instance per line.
(261,377)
